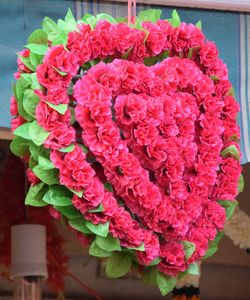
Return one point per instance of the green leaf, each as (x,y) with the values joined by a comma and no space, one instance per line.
(61,39)
(47,176)
(38,151)
(231,151)
(213,245)
(99,229)
(118,265)
(150,61)
(45,163)
(35,83)
(79,194)
(19,147)
(80,225)
(69,212)
(199,25)
(89,19)
(36,59)
(60,72)
(241,184)
(108,243)
(35,195)
(107,17)
(229,207)
(38,36)
(58,195)
(23,131)
(192,50)
(175,21)
(22,112)
(50,27)
(155,262)
(32,162)
(165,283)
(214,77)
(37,133)
(61,108)
(70,21)
(27,62)
(151,15)
(37,49)
(175,15)
(121,20)
(193,269)
(95,250)
(189,248)
(30,102)
(68,149)
(21,85)
(149,276)
(140,248)
(108,187)
(231,92)
(99,208)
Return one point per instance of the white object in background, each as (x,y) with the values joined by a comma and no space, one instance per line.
(28,260)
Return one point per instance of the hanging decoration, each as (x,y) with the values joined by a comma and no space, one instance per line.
(131,136)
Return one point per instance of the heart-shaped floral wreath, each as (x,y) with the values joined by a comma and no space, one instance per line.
(130,133)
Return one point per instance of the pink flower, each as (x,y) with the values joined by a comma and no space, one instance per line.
(55,96)
(13,106)
(173,259)
(60,137)
(208,54)
(16,122)
(216,214)
(22,68)
(50,78)
(61,59)
(152,248)
(155,40)
(231,108)
(50,119)
(32,177)
(54,213)
(79,43)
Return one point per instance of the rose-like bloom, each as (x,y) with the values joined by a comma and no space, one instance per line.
(187,36)
(216,214)
(55,96)
(130,109)
(16,122)
(60,137)
(208,53)
(50,78)
(232,130)
(13,106)
(54,213)
(75,172)
(152,248)
(50,119)
(21,66)
(156,38)
(32,178)
(231,107)
(63,60)
(196,236)
(174,168)
(79,44)
(126,229)
(173,258)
